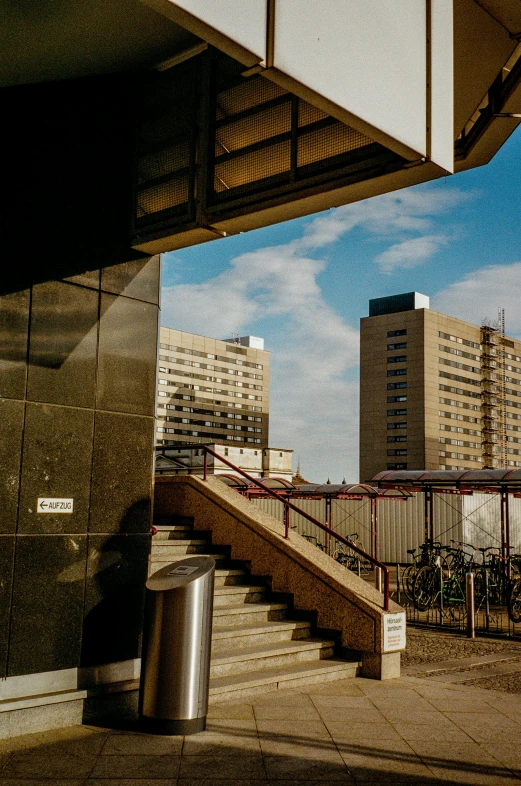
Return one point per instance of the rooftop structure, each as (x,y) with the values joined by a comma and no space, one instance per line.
(211,390)
(436,392)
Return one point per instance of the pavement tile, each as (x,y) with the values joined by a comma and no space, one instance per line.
(213,782)
(221,744)
(286,712)
(486,728)
(117,782)
(357,702)
(459,704)
(428,718)
(384,760)
(228,710)
(126,766)
(142,745)
(43,765)
(307,769)
(431,731)
(355,731)
(464,763)
(46,782)
(307,730)
(231,725)
(77,740)
(282,698)
(335,688)
(348,714)
(508,753)
(407,705)
(298,747)
(245,767)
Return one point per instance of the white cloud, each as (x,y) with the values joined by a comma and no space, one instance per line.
(314,400)
(480,293)
(410,253)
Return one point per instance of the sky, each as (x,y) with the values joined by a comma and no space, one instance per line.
(303,286)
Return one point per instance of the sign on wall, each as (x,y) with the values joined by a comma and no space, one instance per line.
(394,631)
(54,505)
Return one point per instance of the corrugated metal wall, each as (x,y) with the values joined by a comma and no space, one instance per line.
(472,519)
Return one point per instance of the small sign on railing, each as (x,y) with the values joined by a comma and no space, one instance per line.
(394,631)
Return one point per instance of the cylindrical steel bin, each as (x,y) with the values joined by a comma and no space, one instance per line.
(175,667)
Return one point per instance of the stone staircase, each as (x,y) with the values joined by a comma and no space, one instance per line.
(258,644)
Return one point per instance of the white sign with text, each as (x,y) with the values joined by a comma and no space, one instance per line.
(394,631)
(54,505)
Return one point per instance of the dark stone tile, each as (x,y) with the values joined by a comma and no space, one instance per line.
(114,598)
(138,279)
(11,429)
(14,323)
(62,356)
(56,463)
(6,585)
(90,278)
(122,470)
(49,584)
(127,356)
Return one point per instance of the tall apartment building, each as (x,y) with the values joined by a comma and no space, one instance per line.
(211,390)
(436,392)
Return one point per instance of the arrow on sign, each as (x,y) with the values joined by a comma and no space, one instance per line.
(42,504)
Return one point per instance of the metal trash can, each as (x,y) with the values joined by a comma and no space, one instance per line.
(175,667)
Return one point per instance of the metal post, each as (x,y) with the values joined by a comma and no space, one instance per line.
(286,521)
(373,528)
(426,495)
(378,579)
(398,588)
(471,631)
(487,600)
(507,535)
(431,516)
(328,524)
(502,518)
(441,590)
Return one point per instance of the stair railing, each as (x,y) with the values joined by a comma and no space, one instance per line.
(290,506)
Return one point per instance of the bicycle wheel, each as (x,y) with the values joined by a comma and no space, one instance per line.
(479,589)
(514,602)
(424,589)
(408,577)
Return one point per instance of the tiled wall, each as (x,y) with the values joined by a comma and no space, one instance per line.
(77,398)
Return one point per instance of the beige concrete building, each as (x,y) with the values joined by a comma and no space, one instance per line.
(212,391)
(436,392)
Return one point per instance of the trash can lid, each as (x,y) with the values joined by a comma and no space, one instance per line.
(180,573)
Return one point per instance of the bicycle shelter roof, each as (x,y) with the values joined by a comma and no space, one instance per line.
(483,480)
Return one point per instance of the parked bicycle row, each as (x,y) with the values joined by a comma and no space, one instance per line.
(437,577)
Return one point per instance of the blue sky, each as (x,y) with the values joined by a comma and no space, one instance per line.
(303,286)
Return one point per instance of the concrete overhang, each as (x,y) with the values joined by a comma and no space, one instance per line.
(442,76)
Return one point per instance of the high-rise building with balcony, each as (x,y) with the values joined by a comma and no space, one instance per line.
(436,392)
(212,391)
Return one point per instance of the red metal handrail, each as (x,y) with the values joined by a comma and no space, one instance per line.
(289,506)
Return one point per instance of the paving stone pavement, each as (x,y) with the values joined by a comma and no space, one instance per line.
(486,663)
(408,731)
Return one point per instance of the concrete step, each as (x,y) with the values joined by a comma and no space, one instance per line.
(269,656)
(245,614)
(262,634)
(156,563)
(172,533)
(239,686)
(191,546)
(224,596)
(227,577)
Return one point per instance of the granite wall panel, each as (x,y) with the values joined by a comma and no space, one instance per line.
(63,344)
(137,279)
(48,597)
(127,366)
(122,470)
(6,585)
(11,428)
(114,598)
(57,463)
(14,322)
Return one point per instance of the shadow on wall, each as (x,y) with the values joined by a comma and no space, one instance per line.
(117,568)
